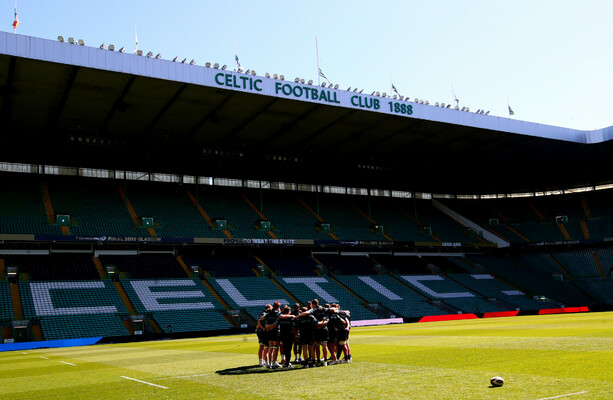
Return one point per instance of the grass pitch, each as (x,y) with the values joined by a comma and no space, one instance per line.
(540,357)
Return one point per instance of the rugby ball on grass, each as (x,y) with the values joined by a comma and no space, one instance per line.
(497,381)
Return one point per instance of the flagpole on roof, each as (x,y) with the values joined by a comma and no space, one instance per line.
(135,37)
(235,56)
(318,69)
(16,20)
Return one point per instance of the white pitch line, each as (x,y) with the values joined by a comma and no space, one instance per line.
(562,395)
(43,357)
(67,363)
(23,352)
(146,383)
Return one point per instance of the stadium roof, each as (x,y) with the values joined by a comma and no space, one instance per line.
(71,105)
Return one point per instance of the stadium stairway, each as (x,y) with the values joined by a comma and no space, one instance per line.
(205,215)
(132,211)
(2,270)
(362,213)
(564,232)
(319,218)
(49,208)
(586,207)
(259,213)
(99,268)
(598,264)
(183,265)
(585,230)
(418,222)
(16,299)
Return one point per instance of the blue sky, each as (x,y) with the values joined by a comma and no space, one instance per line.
(552,59)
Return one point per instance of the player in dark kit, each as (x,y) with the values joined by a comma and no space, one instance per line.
(271,325)
(297,349)
(286,333)
(262,336)
(320,334)
(306,324)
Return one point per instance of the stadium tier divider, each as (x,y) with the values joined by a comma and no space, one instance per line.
(291,266)
(177,305)
(348,265)
(223,266)
(55,266)
(146,266)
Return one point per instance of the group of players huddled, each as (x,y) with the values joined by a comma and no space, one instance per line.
(305,330)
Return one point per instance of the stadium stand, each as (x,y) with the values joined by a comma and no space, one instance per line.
(22,208)
(291,266)
(6,304)
(326,291)
(74,309)
(250,294)
(177,305)
(391,294)
(223,266)
(347,265)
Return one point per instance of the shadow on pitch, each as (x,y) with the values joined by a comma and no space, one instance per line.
(256,369)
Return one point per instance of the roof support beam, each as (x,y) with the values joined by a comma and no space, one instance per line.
(256,114)
(56,112)
(320,131)
(118,103)
(161,113)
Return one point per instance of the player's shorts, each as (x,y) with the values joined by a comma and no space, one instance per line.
(306,337)
(273,335)
(321,335)
(332,335)
(343,335)
(262,337)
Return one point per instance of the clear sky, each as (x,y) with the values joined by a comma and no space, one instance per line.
(552,58)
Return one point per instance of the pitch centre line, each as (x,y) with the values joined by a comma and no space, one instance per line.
(563,395)
(43,357)
(67,363)
(146,383)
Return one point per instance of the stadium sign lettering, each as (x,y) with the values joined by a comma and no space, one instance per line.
(239,82)
(306,92)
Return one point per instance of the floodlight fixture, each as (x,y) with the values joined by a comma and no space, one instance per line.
(416,100)
(487,112)
(139,53)
(282,77)
(297,80)
(207,64)
(192,62)
(122,49)
(216,66)
(426,102)
(253,72)
(384,94)
(378,94)
(355,90)
(329,86)
(361,91)
(467,109)
(71,40)
(275,76)
(240,69)
(150,54)
(448,106)
(224,67)
(302,80)
(324,84)
(103,46)
(463,109)
(111,47)
(310,82)
(349,89)
(267,75)
(436,104)
(401,98)
(158,55)
(336,86)
(395,97)
(175,59)
(81,42)
(60,39)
